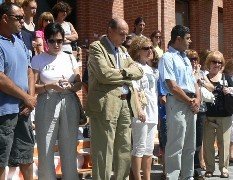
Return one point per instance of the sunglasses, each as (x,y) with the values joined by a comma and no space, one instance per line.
(146,48)
(216,62)
(57,41)
(48,20)
(193,59)
(17,17)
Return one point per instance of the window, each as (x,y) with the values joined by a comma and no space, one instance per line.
(1,1)
(182,13)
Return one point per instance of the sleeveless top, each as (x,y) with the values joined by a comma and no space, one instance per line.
(66,46)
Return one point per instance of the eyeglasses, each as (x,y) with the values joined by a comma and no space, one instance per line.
(146,48)
(193,59)
(53,41)
(48,20)
(216,62)
(17,17)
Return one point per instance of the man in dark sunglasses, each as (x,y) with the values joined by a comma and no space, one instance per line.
(183,102)
(16,94)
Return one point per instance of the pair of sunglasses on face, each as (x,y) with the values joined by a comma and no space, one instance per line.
(146,48)
(47,20)
(53,41)
(193,59)
(17,17)
(216,62)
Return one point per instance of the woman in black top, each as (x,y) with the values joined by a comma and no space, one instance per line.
(218,119)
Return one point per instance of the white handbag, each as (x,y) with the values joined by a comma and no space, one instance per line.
(207,96)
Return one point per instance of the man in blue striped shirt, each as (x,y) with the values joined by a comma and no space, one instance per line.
(183,101)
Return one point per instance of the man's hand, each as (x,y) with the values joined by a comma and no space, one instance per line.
(30,101)
(195,105)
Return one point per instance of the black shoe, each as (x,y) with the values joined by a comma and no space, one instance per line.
(197,174)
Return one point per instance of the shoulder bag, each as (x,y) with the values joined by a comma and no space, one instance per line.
(228,98)
(83,117)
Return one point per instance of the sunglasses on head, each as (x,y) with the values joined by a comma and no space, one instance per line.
(216,62)
(17,17)
(146,48)
(53,41)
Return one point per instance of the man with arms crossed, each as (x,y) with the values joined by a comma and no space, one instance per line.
(183,101)
(111,71)
(16,95)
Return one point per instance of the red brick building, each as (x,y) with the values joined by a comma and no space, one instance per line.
(210,21)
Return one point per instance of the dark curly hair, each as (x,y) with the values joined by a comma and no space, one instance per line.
(61,7)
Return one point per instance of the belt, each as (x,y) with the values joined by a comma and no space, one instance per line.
(124,96)
(191,95)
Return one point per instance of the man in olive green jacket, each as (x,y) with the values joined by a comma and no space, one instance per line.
(111,71)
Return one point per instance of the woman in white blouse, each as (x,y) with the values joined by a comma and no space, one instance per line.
(57,111)
(144,126)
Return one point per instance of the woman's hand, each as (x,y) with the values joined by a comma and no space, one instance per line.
(226,90)
(65,84)
(162,100)
(141,116)
(56,86)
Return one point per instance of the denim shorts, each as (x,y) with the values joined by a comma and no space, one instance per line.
(16,140)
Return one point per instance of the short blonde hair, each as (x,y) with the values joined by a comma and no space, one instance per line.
(214,55)
(43,16)
(137,43)
(229,67)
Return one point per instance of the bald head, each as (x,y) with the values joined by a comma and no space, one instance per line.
(117,31)
(117,22)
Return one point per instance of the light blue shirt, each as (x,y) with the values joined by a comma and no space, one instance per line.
(14,63)
(176,66)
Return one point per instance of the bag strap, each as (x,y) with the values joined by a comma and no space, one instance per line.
(224,80)
(71,61)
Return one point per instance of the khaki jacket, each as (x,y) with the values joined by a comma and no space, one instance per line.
(105,80)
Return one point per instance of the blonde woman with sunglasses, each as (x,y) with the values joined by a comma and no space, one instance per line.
(218,119)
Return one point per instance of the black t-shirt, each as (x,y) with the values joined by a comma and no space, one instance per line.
(217,108)
(28,37)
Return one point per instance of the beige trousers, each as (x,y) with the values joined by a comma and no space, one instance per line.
(220,127)
(111,144)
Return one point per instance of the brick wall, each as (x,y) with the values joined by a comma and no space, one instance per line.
(228,28)
(168,20)
(204,24)
(93,16)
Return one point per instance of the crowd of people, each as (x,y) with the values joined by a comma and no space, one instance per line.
(134,88)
